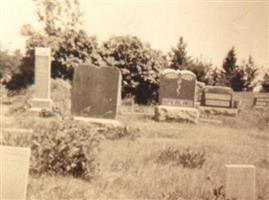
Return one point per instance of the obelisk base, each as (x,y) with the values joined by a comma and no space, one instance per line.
(37,104)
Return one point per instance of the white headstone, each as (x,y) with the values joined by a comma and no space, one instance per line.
(42,83)
(240,182)
(14,162)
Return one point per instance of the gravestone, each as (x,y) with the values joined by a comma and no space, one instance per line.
(177,88)
(261,100)
(218,100)
(14,162)
(240,182)
(96,92)
(177,97)
(217,96)
(42,93)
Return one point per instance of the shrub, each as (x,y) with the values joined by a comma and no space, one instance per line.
(65,147)
(187,158)
(61,95)
(139,64)
(61,148)
(112,133)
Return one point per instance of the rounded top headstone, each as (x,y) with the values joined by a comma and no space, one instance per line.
(187,75)
(170,73)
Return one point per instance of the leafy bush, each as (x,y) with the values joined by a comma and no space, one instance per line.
(139,65)
(61,95)
(65,147)
(61,148)
(20,101)
(9,64)
(187,158)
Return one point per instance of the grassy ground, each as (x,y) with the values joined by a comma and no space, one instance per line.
(130,168)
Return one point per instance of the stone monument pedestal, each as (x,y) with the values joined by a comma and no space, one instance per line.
(176,114)
(100,121)
(39,103)
(42,87)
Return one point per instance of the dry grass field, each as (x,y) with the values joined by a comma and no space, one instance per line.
(163,160)
(130,168)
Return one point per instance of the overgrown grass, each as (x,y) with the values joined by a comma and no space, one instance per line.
(129,168)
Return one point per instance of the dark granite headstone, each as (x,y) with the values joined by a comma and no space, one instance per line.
(96,92)
(177,88)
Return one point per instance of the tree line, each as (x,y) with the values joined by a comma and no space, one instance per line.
(139,63)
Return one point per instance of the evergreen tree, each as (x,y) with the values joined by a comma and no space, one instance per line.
(179,58)
(229,67)
(250,72)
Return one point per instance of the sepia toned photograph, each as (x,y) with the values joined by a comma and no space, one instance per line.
(134,100)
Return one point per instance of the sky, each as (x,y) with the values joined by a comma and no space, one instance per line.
(210,28)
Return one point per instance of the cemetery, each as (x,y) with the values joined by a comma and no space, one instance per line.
(106,153)
(118,119)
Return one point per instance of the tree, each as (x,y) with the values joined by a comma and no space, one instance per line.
(179,58)
(9,64)
(59,16)
(200,69)
(265,81)
(232,75)
(139,64)
(237,82)
(215,76)
(250,72)
(229,67)
(61,31)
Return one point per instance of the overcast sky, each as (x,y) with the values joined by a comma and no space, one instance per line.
(210,28)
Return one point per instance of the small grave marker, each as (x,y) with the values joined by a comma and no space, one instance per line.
(261,100)
(240,182)
(217,96)
(14,162)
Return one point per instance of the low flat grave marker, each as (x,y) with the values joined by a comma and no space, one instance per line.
(218,100)
(261,100)
(240,182)
(14,162)
(96,93)
(217,96)
(42,90)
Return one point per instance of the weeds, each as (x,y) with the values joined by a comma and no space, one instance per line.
(186,158)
